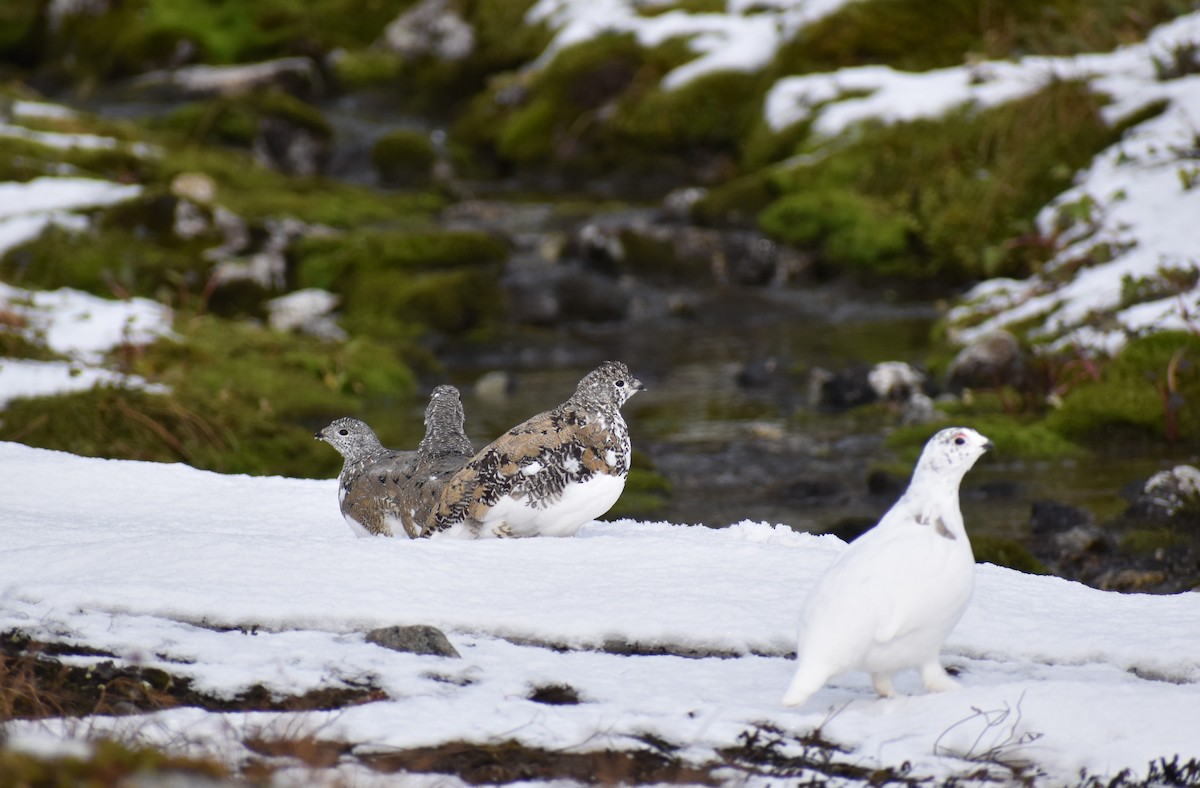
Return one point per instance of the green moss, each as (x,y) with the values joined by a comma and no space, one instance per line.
(404,157)
(1148,541)
(242,399)
(905,35)
(850,228)
(1134,392)
(1006,552)
(444,280)
(366,68)
(941,199)
(138,35)
(257,193)
(108,261)
(646,492)
(716,110)
(1016,438)
(737,201)
(237,121)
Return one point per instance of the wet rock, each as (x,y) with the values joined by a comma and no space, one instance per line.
(431,28)
(1169,496)
(194,186)
(548,295)
(884,484)
(417,639)
(757,373)
(992,361)
(298,76)
(1052,517)
(895,381)
(841,390)
(640,245)
(289,147)
(307,311)
(1129,580)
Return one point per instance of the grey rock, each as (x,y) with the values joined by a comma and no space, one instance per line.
(992,361)
(431,28)
(1051,517)
(416,639)
(297,75)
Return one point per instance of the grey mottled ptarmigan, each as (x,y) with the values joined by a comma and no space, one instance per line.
(549,475)
(375,486)
(890,600)
(442,452)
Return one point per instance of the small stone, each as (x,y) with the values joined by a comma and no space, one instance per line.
(1050,517)
(417,639)
(992,361)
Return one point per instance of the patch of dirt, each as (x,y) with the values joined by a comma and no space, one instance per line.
(34,684)
(511,761)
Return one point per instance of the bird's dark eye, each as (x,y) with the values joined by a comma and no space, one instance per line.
(960,440)
(620,384)
(347,432)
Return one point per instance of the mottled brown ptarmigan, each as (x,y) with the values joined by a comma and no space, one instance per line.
(376,484)
(549,475)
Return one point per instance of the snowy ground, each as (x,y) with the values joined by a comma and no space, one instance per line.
(151,561)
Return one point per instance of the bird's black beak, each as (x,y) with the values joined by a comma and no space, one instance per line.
(637,385)
(989,446)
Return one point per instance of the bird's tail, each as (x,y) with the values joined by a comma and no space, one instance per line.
(808,679)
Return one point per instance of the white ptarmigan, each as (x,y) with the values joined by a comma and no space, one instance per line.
(890,600)
(375,486)
(549,475)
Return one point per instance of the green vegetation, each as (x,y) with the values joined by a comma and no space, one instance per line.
(1148,392)
(905,35)
(237,122)
(941,198)
(394,282)
(1006,552)
(404,157)
(109,763)
(242,399)
(132,251)
(598,105)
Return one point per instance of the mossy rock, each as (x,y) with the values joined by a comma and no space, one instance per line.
(237,122)
(1149,540)
(107,260)
(850,229)
(366,68)
(736,202)
(257,193)
(1134,399)
(452,302)
(1006,552)
(394,282)
(404,158)
(903,33)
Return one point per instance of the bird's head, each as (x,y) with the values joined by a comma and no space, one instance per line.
(609,384)
(352,438)
(952,452)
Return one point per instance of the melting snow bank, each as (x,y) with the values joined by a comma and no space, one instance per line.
(1129,253)
(162,564)
(81,328)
